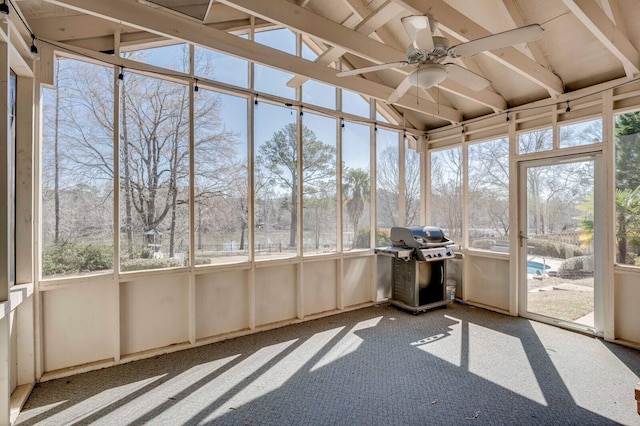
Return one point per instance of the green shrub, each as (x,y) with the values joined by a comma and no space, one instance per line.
(73,258)
(483,244)
(203,261)
(575,267)
(144,264)
(383,237)
(555,249)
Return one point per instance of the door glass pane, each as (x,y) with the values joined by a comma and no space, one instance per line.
(560,222)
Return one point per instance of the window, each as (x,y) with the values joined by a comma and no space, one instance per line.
(356,186)
(276,181)
(221,67)
(627,132)
(353,103)
(174,57)
(489,195)
(320,94)
(446,192)
(387,184)
(270,80)
(220,178)
(154,170)
(536,141)
(77,171)
(319,184)
(584,133)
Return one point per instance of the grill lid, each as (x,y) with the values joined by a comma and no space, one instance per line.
(418,236)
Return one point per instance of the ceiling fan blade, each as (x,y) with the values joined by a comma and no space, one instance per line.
(467,78)
(419,30)
(401,89)
(372,68)
(497,41)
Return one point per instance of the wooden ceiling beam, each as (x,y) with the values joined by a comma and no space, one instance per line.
(597,21)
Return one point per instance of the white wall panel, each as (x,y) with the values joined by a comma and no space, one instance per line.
(486,281)
(319,286)
(221,303)
(627,307)
(356,284)
(275,290)
(77,325)
(154,312)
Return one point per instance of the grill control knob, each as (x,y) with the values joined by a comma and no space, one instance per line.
(439,254)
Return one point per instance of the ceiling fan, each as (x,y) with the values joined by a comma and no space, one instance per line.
(427,53)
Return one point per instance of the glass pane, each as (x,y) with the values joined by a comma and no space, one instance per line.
(585,133)
(539,140)
(560,221)
(489,195)
(320,94)
(154,170)
(411,186)
(307,53)
(77,170)
(220,178)
(353,103)
(276,181)
(174,57)
(627,130)
(387,185)
(221,67)
(274,82)
(319,184)
(356,187)
(446,192)
(281,39)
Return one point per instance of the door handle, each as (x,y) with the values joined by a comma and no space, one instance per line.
(522,238)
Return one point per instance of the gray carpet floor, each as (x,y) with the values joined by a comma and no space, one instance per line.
(375,366)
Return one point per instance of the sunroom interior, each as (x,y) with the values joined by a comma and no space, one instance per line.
(181,172)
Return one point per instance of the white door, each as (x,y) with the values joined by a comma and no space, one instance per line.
(560,227)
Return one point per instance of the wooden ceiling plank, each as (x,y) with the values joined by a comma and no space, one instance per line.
(466,29)
(597,21)
(160,22)
(518,21)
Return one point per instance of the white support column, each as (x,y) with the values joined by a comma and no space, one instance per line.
(514,219)
(116,202)
(5,158)
(402,158)
(25,326)
(299,222)
(607,323)
(192,252)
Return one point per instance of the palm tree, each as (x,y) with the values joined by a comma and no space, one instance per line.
(628,220)
(355,191)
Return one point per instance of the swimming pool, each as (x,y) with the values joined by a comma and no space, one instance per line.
(536,267)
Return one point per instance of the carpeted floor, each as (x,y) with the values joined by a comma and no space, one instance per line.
(374,366)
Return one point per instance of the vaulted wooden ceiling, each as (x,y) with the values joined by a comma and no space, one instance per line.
(585,43)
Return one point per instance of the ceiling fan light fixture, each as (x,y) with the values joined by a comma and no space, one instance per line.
(429,75)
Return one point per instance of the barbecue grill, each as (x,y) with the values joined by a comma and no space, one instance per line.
(419,266)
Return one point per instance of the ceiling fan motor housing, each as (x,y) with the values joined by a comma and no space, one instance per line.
(435,55)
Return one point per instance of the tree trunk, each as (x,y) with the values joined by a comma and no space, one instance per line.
(127,174)
(294,217)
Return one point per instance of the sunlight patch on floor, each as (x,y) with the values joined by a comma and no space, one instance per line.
(278,374)
(89,406)
(348,344)
(156,397)
(501,359)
